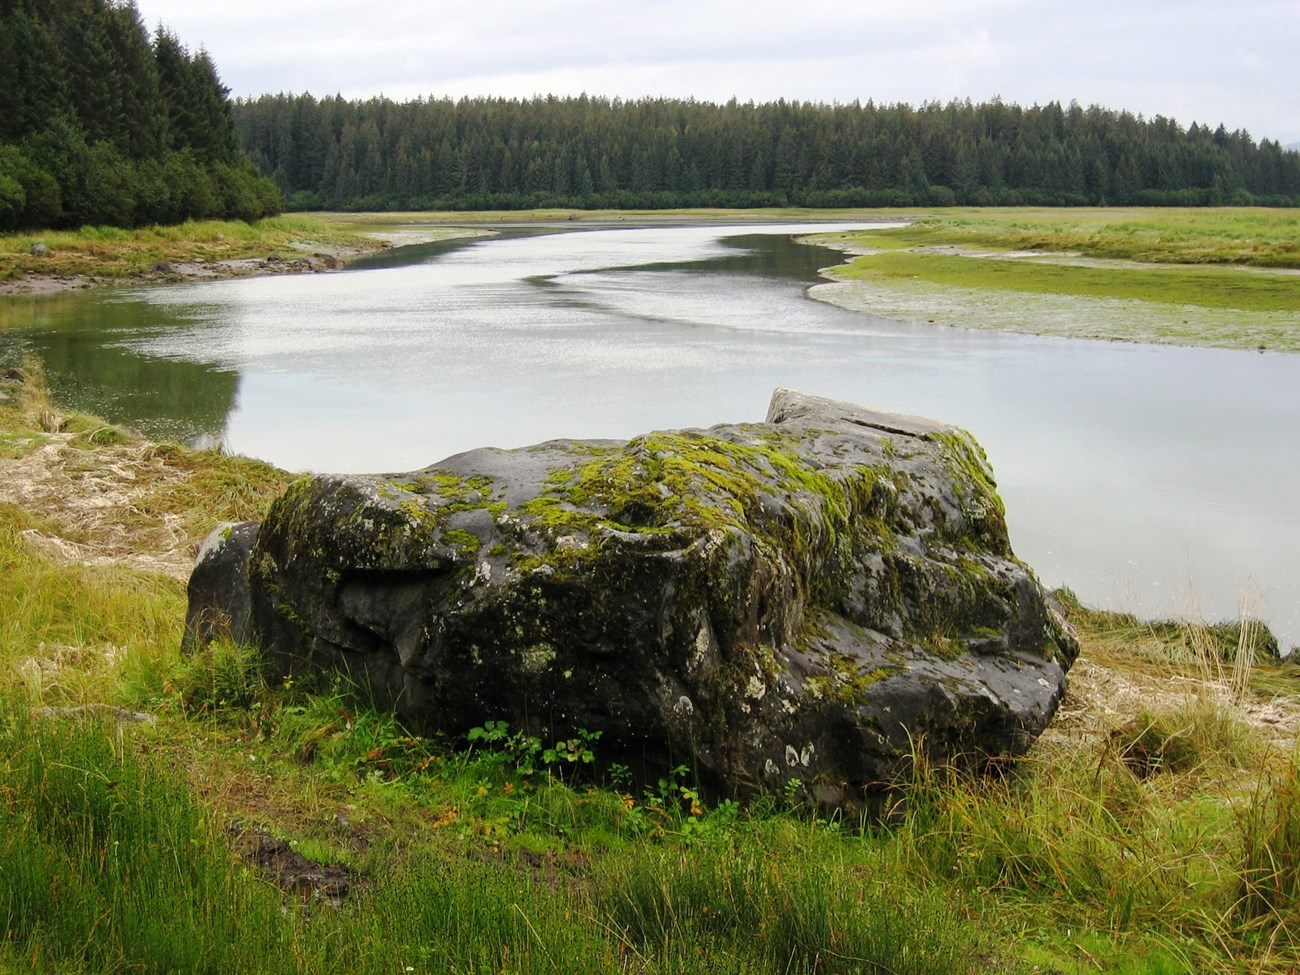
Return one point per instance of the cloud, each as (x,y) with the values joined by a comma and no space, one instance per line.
(1182,58)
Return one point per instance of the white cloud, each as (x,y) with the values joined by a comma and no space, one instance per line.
(1188,59)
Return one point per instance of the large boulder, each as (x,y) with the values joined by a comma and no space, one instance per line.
(220,603)
(811,598)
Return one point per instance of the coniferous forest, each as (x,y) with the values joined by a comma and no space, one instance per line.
(103,123)
(655,153)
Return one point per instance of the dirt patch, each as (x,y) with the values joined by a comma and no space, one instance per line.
(292,872)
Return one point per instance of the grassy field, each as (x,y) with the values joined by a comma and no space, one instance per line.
(1231,236)
(112,253)
(1220,277)
(1154,829)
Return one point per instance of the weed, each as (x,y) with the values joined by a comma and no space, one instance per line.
(526,755)
(1266,907)
(221,677)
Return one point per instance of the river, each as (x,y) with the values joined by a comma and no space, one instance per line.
(1153,479)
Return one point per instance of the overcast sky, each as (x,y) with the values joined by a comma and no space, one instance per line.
(1208,61)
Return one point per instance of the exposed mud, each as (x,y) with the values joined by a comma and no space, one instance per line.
(1064,316)
(279,862)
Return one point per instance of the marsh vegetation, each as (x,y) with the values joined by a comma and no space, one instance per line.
(1153,829)
(1190,277)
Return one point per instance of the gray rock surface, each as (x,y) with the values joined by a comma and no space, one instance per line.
(809,598)
(219,599)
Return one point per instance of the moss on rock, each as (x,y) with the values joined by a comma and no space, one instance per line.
(802,598)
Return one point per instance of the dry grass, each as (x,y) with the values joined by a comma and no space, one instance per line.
(106,253)
(94,494)
(1129,667)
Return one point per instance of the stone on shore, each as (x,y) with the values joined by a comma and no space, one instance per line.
(799,603)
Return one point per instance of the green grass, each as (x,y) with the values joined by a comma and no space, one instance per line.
(1234,236)
(109,864)
(1166,841)
(110,252)
(1204,287)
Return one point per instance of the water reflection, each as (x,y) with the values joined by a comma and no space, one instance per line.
(88,344)
(1152,479)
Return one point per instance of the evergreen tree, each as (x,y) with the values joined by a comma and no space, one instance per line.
(99,123)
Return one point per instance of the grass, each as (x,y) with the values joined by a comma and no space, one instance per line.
(1217,277)
(110,252)
(1154,829)
(1235,236)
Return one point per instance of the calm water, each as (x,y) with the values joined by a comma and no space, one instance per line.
(1154,479)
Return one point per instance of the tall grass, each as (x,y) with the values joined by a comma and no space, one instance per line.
(764,903)
(1176,825)
(1166,841)
(108,864)
(1267,906)
(69,633)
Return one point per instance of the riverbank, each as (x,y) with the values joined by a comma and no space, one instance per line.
(1219,278)
(56,261)
(1151,829)
(1225,278)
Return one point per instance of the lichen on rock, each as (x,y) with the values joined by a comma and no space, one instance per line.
(810,598)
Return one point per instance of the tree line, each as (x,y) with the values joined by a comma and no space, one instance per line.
(583,152)
(103,123)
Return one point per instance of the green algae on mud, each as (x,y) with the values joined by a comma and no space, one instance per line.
(1248,237)
(1211,287)
(1221,278)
